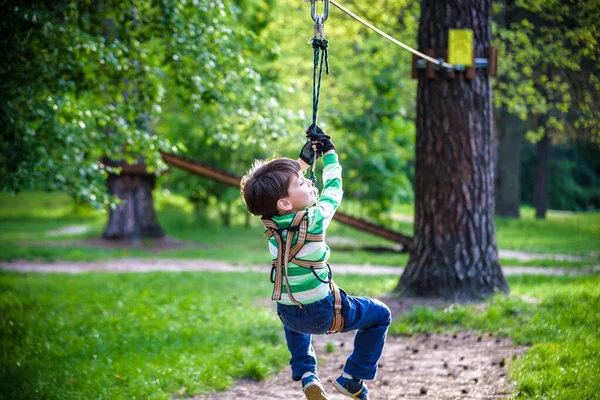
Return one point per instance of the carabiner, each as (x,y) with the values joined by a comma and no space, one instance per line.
(313,10)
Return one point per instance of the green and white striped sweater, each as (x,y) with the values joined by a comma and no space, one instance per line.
(303,284)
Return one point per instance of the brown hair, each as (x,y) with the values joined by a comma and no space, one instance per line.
(267,182)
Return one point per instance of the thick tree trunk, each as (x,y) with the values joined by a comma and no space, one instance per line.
(508,177)
(455,253)
(134,218)
(542,177)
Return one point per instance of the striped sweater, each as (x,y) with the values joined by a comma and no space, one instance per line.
(305,287)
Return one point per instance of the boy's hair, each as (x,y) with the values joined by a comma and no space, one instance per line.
(267,182)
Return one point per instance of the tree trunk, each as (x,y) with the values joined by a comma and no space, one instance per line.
(542,176)
(508,177)
(134,218)
(455,254)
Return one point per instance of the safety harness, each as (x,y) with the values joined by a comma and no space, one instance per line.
(286,254)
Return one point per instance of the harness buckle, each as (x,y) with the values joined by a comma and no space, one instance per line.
(272,275)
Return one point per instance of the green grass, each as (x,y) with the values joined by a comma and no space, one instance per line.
(562,327)
(560,233)
(148,336)
(26,219)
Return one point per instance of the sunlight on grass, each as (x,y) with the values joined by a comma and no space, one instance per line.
(561,233)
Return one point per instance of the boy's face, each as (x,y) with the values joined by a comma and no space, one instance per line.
(301,194)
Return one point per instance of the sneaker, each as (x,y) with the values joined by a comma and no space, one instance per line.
(353,388)
(313,389)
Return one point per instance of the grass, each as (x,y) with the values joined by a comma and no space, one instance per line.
(160,335)
(26,219)
(150,336)
(562,327)
(560,233)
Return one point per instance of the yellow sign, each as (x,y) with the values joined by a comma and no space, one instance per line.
(460,47)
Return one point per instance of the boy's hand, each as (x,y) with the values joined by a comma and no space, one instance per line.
(306,150)
(323,140)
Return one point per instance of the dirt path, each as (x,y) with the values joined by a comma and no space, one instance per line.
(148,265)
(440,367)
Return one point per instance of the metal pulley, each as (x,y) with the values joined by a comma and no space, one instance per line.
(319,18)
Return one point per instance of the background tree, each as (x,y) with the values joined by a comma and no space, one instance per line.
(455,253)
(549,79)
(74,96)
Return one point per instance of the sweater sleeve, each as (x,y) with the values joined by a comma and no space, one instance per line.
(331,195)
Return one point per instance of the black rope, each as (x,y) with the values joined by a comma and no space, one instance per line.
(321,56)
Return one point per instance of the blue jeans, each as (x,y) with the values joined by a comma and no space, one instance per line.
(370,317)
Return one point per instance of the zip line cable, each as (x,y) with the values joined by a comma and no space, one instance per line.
(388,37)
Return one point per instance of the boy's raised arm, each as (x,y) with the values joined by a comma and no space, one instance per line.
(332,193)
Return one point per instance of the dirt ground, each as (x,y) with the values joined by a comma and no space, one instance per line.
(465,365)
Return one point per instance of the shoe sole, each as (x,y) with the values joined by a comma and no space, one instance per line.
(315,392)
(343,390)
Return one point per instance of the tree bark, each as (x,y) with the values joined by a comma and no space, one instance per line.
(134,218)
(542,177)
(508,177)
(455,253)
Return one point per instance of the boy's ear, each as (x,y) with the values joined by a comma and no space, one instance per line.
(284,205)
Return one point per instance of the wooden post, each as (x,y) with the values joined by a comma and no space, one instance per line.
(448,74)
(470,74)
(429,71)
(492,55)
(414,73)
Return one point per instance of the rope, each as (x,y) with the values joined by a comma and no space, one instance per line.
(321,57)
(391,39)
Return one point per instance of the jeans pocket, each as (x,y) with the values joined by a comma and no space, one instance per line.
(319,324)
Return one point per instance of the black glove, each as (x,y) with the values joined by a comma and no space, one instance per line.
(324,143)
(307,149)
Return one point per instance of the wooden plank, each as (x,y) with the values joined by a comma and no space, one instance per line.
(414,73)
(492,55)
(429,71)
(448,73)
(470,74)
(219,175)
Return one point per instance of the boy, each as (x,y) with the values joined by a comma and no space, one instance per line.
(307,299)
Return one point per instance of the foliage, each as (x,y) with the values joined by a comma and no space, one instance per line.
(366,104)
(85,80)
(202,145)
(151,336)
(549,52)
(562,329)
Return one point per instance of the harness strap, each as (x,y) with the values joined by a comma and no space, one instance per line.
(299,225)
(338,318)
(310,264)
(287,253)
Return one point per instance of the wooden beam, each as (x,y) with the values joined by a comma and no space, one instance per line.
(226,177)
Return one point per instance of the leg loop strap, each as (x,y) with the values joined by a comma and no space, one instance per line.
(338,318)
